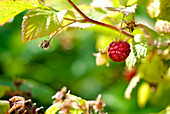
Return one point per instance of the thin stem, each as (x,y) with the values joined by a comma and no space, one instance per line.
(87,19)
(80,20)
(78,10)
(60,30)
(121,26)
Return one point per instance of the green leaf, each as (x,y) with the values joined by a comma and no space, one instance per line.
(76,111)
(153,37)
(126,11)
(9,9)
(161,96)
(123,2)
(141,46)
(159,9)
(152,68)
(63,4)
(41,22)
(164,10)
(131,2)
(4,107)
(53,109)
(163,26)
(139,49)
(165,111)
(2,91)
(79,100)
(131,59)
(56,107)
(38,90)
(116,3)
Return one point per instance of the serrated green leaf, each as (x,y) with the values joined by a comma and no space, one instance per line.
(141,46)
(41,22)
(4,107)
(9,9)
(139,49)
(131,59)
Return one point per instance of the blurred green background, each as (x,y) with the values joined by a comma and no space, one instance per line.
(69,62)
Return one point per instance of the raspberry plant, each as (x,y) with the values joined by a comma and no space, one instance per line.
(143,46)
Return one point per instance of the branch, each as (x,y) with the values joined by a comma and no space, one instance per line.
(78,10)
(87,19)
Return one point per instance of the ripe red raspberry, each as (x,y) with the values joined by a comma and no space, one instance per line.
(119,51)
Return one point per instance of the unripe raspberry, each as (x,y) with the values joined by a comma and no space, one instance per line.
(119,51)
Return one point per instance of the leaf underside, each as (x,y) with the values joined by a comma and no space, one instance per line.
(41,22)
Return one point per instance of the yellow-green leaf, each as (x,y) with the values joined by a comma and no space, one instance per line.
(53,109)
(41,22)
(4,107)
(9,9)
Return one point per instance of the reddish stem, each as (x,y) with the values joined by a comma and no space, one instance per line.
(78,10)
(97,22)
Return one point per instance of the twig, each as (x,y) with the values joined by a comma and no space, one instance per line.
(60,30)
(87,19)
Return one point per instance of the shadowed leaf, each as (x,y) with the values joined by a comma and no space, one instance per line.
(41,22)
(153,37)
